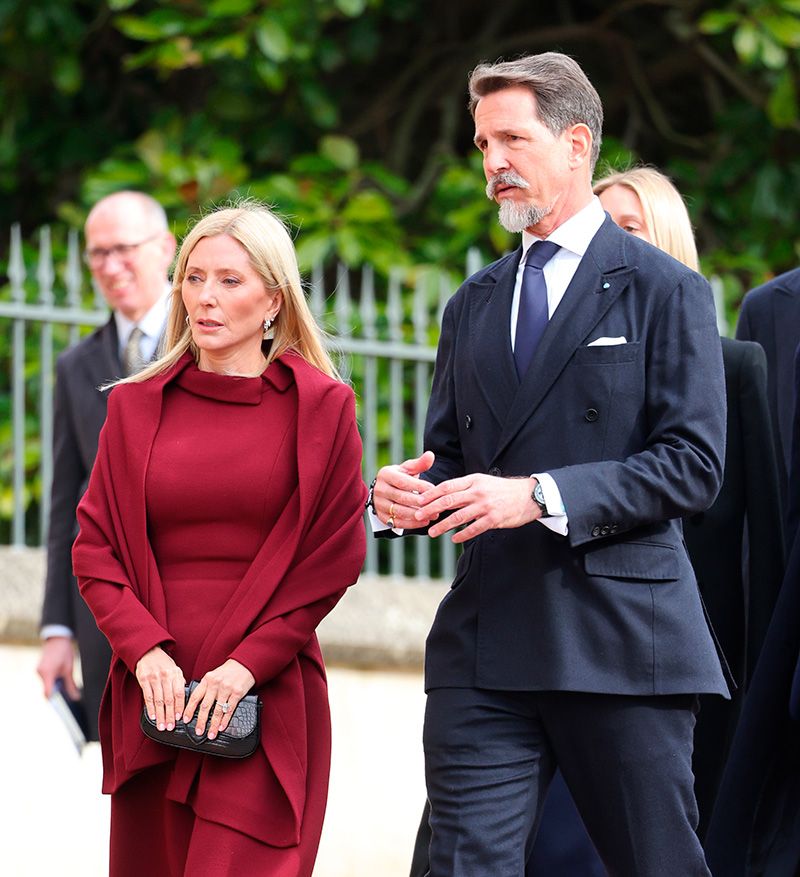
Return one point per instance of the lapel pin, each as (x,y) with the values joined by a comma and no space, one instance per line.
(606,285)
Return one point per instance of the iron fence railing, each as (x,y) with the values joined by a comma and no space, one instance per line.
(383,331)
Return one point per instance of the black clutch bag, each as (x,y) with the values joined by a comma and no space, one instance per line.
(238,740)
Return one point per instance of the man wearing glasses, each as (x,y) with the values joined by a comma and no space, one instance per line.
(129,249)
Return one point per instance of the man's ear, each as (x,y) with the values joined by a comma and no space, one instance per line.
(580,140)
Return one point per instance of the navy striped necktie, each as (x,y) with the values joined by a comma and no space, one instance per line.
(532,316)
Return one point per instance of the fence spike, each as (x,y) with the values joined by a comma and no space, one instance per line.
(45,275)
(368,311)
(16,264)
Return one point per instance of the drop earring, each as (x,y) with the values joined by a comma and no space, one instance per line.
(267,325)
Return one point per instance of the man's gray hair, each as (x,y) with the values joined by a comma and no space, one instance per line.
(564,95)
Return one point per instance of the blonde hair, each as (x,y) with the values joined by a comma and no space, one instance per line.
(269,247)
(664,211)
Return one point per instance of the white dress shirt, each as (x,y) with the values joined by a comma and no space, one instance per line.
(151,324)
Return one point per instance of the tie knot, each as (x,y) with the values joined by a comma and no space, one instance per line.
(540,253)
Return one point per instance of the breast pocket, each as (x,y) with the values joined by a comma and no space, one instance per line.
(607,354)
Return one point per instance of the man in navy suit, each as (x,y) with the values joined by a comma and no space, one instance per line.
(129,249)
(573,635)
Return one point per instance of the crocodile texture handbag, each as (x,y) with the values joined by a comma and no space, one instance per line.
(238,740)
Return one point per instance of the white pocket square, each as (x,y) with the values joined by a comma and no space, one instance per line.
(607,342)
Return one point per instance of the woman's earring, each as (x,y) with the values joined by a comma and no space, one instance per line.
(187,319)
(267,325)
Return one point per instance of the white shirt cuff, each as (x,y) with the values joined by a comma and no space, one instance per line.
(557,521)
(51,630)
(378,526)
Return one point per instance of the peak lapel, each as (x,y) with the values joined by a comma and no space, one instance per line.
(490,337)
(601,276)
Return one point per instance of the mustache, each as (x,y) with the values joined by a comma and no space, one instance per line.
(505,178)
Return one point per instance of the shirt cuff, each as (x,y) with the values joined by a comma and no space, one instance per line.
(378,526)
(557,521)
(51,630)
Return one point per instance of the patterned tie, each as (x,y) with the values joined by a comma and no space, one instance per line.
(132,359)
(532,317)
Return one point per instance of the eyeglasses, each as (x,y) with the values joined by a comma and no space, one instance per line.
(97,255)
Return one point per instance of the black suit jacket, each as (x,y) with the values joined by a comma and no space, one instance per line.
(755,826)
(79,414)
(739,605)
(634,436)
(770,315)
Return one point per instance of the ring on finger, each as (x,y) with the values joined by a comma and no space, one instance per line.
(391,510)
(224,707)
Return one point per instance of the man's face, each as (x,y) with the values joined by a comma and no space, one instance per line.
(131,278)
(527,167)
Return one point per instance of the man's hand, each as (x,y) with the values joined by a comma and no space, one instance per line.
(217,695)
(484,502)
(56,662)
(163,686)
(398,492)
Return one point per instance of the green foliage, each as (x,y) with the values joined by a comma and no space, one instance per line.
(349,117)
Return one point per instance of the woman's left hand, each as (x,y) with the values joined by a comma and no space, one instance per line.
(226,685)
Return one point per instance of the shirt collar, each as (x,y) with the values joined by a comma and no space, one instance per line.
(576,233)
(152,323)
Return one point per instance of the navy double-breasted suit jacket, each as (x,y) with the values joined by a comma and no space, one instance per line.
(633,434)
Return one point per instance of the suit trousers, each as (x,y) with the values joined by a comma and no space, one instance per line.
(490,756)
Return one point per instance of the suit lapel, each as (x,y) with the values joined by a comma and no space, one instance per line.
(490,336)
(601,276)
(103,363)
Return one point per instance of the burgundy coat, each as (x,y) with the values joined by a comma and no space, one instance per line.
(310,557)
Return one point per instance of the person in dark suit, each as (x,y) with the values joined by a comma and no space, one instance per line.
(770,315)
(129,249)
(573,635)
(755,825)
(739,587)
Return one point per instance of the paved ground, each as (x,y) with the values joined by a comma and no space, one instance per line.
(53,819)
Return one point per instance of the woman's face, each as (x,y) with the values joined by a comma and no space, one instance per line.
(227,303)
(625,208)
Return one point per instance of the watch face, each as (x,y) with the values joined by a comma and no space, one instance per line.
(538,492)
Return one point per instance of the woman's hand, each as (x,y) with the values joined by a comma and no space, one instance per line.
(227,684)
(163,687)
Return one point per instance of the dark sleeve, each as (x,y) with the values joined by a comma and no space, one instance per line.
(678,471)
(762,497)
(69,476)
(793,509)
(744,329)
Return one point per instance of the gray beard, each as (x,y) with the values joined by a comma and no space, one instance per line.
(517,217)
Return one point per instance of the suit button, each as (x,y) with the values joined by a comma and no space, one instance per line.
(468,422)
(605,530)
(613,528)
(495,471)
(590,415)
(595,530)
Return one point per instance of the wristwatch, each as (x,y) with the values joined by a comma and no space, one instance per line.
(537,495)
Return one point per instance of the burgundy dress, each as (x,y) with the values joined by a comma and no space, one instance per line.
(221,470)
